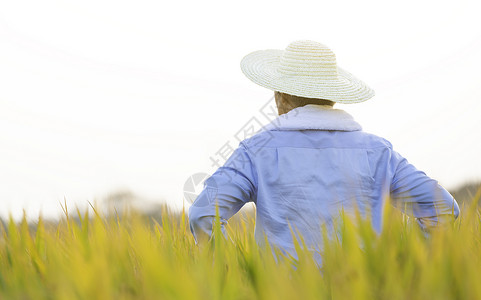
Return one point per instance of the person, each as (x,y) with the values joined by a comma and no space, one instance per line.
(313,160)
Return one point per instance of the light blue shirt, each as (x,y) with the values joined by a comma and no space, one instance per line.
(305,166)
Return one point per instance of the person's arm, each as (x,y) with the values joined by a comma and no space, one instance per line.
(231,186)
(420,196)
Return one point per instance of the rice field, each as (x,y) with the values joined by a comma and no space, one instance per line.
(92,256)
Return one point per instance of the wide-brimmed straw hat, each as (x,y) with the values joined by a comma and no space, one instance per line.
(306,69)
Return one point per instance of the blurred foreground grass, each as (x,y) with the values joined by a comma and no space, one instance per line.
(129,257)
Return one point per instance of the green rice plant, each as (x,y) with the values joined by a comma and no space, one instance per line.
(96,256)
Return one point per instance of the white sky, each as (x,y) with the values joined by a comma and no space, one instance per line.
(101,95)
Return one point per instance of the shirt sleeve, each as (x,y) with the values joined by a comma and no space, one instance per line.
(231,186)
(419,196)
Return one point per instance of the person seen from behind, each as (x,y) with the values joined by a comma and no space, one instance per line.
(314,160)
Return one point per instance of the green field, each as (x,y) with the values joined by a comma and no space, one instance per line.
(132,257)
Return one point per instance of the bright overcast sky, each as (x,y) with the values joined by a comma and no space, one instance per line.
(97,96)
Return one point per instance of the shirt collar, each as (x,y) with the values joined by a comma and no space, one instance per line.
(314,116)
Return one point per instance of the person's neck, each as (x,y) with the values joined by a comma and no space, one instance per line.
(283,110)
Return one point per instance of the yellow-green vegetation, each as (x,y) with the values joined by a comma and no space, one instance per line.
(129,257)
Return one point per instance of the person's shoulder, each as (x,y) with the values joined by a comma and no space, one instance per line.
(373,140)
(266,138)
(260,138)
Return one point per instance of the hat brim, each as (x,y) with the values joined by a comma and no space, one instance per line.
(262,68)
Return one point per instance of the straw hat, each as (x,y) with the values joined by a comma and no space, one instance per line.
(306,69)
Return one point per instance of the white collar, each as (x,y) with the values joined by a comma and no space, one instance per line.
(314,116)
